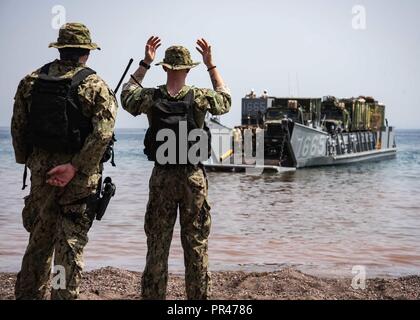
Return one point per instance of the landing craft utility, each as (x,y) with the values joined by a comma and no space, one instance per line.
(305,132)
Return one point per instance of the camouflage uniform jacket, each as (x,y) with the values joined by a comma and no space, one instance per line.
(137,100)
(97,102)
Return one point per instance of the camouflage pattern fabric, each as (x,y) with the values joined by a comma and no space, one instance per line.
(53,222)
(183,187)
(178,58)
(137,100)
(74,35)
(173,187)
(54,229)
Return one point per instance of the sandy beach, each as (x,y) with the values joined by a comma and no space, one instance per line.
(287,284)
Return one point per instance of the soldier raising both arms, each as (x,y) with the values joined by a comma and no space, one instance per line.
(63,120)
(176,184)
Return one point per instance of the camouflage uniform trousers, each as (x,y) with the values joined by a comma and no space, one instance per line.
(172,187)
(54,230)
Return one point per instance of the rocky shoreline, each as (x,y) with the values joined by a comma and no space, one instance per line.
(287,284)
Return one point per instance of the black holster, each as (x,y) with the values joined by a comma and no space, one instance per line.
(98,202)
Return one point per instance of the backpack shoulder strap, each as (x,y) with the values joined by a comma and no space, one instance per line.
(46,68)
(157,94)
(80,76)
(77,79)
(189,97)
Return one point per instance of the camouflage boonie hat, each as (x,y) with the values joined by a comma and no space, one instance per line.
(178,58)
(74,35)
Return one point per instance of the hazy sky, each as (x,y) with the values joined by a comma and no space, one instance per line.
(306,47)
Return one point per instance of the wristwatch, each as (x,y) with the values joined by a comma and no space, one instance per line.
(144,64)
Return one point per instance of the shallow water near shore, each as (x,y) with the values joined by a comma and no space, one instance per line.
(322,221)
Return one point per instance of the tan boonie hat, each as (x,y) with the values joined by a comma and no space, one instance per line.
(178,58)
(74,35)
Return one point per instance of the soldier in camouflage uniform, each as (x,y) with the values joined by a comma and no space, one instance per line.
(57,221)
(183,186)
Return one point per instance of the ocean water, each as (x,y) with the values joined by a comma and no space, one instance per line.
(323,221)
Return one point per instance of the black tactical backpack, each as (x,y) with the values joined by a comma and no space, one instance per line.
(167,113)
(55,121)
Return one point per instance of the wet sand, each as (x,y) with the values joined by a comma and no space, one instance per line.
(287,284)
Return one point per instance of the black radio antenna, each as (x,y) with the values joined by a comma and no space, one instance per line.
(123,76)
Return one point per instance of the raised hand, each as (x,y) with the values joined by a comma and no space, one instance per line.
(205,50)
(150,50)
